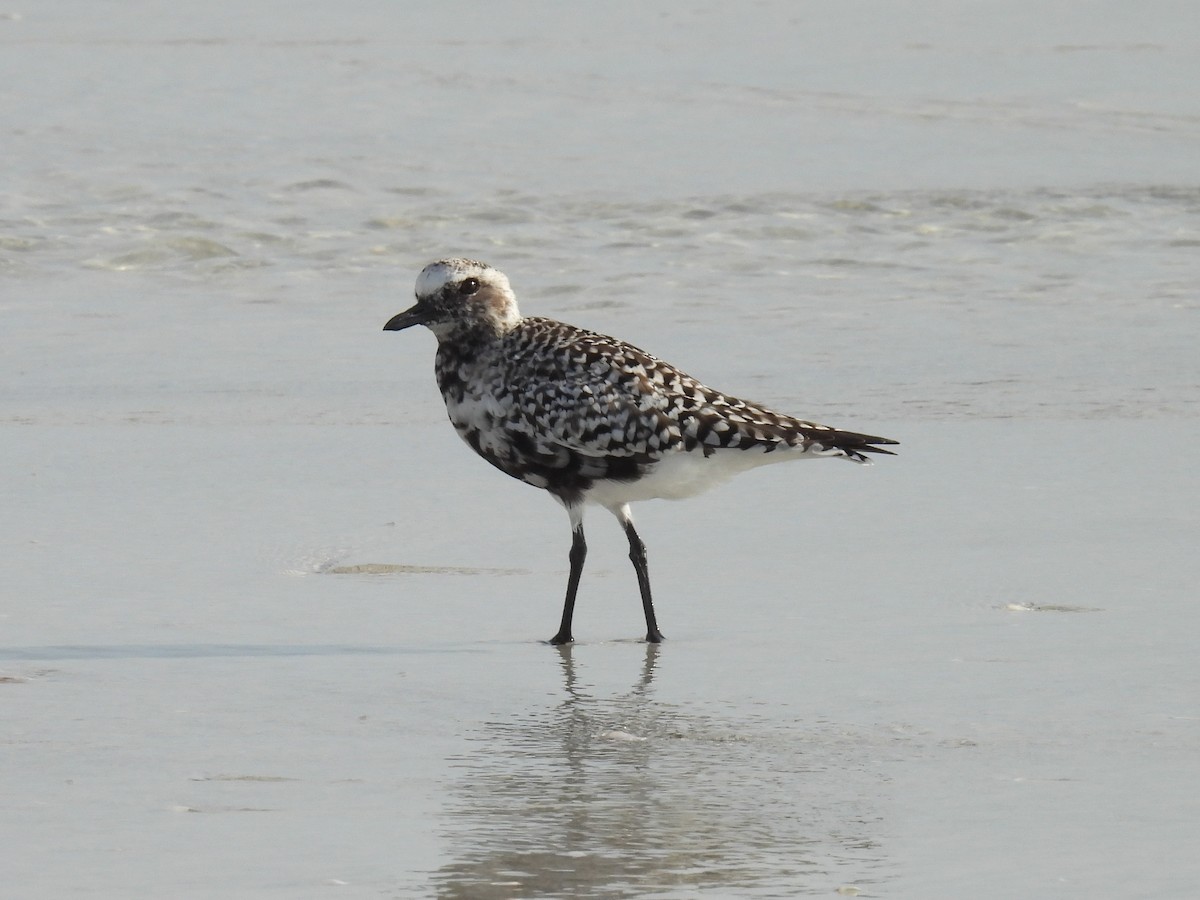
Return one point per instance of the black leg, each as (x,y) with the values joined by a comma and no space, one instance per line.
(577,555)
(637,555)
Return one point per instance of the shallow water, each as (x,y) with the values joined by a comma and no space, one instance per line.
(1004,678)
(269,630)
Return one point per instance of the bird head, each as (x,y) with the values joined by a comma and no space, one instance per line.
(457,298)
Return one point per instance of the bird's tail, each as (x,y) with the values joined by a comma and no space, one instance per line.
(850,444)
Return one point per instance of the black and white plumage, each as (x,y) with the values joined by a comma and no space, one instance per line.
(589,418)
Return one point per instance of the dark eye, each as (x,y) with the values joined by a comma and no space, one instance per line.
(468,286)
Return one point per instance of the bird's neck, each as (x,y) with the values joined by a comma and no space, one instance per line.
(469,340)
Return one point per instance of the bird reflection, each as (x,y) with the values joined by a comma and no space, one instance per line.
(604,794)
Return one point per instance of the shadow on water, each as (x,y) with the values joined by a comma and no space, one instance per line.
(625,795)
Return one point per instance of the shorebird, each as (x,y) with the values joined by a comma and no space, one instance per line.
(592,419)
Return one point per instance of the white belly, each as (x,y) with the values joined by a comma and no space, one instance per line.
(685,474)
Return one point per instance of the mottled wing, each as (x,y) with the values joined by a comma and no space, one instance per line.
(590,394)
(596,396)
(718,421)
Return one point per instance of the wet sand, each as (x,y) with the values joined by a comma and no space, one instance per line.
(874,679)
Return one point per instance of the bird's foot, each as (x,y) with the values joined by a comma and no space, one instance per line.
(654,637)
(561,638)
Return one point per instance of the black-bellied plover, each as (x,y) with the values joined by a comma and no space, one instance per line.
(590,418)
